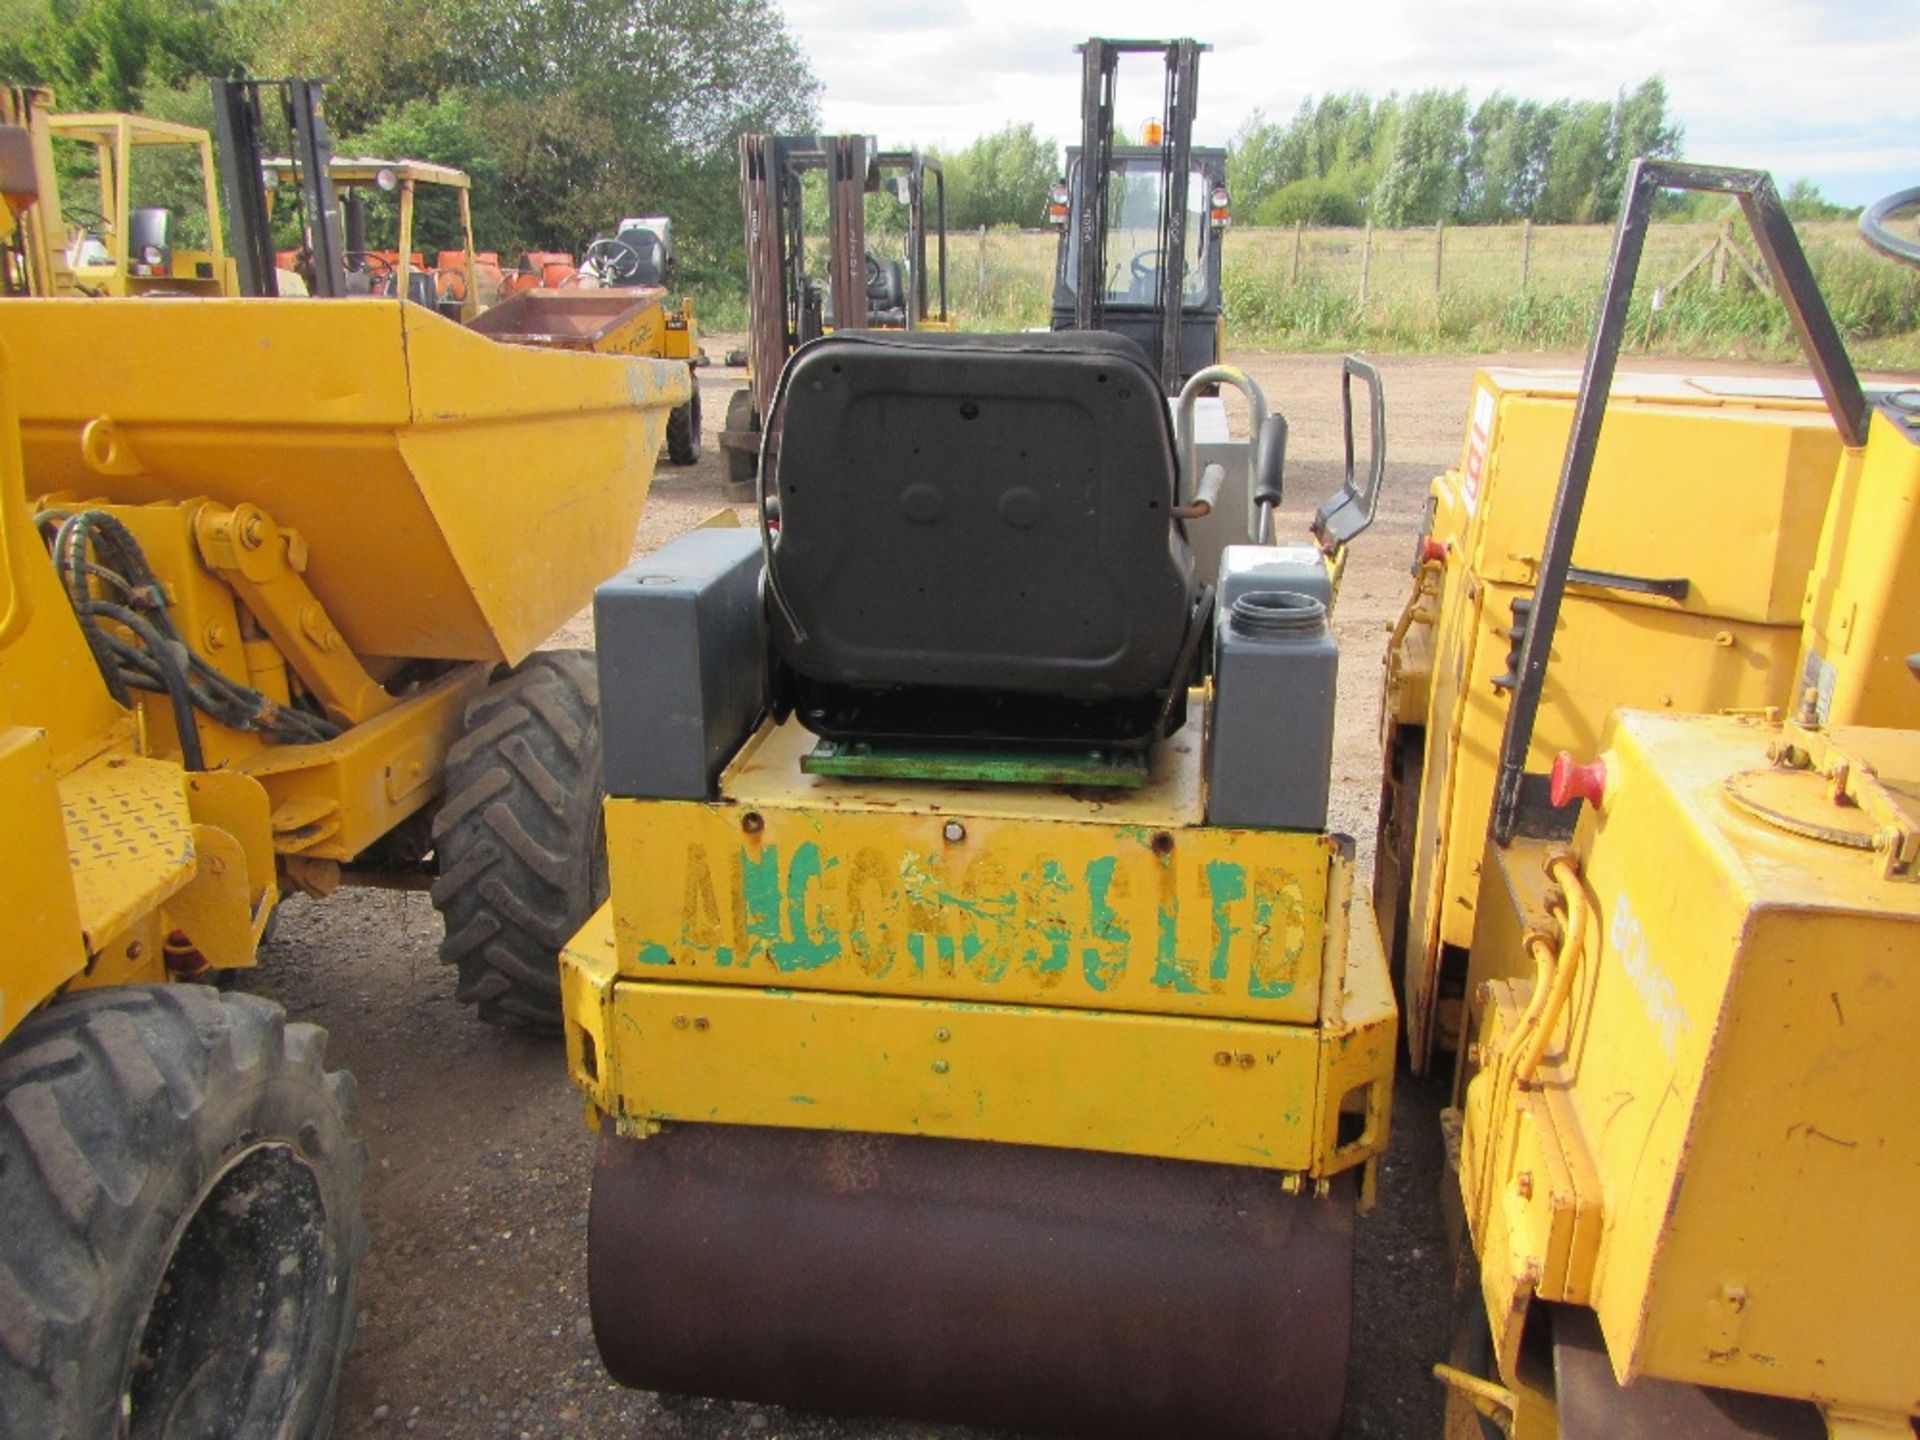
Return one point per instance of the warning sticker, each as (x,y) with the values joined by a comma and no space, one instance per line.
(1478,433)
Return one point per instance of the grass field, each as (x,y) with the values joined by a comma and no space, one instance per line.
(1003,281)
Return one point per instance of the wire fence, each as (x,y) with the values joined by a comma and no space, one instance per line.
(1701,285)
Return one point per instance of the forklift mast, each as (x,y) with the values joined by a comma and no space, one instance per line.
(237,120)
(783,312)
(1100,60)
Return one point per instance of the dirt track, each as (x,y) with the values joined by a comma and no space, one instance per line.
(473,1299)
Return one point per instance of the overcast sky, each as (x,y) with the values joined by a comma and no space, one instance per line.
(1819,88)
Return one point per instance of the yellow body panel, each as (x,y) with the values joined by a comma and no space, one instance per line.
(1091,969)
(333,799)
(40,922)
(1722,483)
(1238,1092)
(459,498)
(1858,642)
(130,833)
(1734,1066)
(1127,903)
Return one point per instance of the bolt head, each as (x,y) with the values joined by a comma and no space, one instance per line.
(954,832)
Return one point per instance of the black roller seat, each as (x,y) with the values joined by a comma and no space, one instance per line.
(977,541)
(650,258)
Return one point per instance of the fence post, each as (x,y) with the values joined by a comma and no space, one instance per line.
(1526,251)
(1366,263)
(980,298)
(1720,255)
(1298,227)
(1439,248)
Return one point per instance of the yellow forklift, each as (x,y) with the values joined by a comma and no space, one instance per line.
(118,247)
(1686,1118)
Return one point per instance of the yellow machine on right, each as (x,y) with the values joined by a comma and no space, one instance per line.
(1686,1107)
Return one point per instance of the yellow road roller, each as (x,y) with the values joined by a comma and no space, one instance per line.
(1687,1120)
(984,1024)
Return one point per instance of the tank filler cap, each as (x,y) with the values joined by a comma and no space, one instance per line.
(1570,781)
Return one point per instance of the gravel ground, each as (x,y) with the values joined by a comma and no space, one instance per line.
(474,1320)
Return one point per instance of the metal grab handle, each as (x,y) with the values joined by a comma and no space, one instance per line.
(1874,229)
(1351,508)
(1819,338)
(1187,445)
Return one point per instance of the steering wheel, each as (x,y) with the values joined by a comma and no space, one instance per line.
(91,221)
(1874,230)
(379,269)
(1146,264)
(613,259)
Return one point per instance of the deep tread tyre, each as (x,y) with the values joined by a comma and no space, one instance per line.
(181,1189)
(519,836)
(683,430)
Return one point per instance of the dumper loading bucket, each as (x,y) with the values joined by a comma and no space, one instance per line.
(458,498)
(608,322)
(1013,1286)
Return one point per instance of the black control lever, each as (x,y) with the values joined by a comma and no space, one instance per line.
(1270,468)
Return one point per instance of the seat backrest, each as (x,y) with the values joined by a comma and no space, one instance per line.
(987,513)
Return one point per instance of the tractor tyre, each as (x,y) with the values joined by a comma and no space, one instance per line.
(683,430)
(742,465)
(519,836)
(181,1188)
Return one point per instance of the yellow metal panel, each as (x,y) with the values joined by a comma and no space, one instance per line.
(948,891)
(1688,481)
(130,836)
(215,910)
(238,805)
(1863,605)
(40,921)
(1141,1084)
(48,678)
(1257,1094)
(1737,1067)
(1606,654)
(333,799)
(460,498)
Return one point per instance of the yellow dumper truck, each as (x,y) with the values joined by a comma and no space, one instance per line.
(274,577)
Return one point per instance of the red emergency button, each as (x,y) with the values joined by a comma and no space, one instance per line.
(1571,781)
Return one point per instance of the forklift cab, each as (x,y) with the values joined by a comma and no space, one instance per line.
(1130,299)
(121,246)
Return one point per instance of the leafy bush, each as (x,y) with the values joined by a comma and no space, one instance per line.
(1309,202)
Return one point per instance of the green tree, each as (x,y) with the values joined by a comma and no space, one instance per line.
(1260,160)
(104,54)
(1425,174)
(1640,126)
(586,111)
(1805,202)
(1001,179)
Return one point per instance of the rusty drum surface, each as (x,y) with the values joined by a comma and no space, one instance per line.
(1051,1291)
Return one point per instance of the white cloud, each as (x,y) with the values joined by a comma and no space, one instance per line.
(1821,88)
